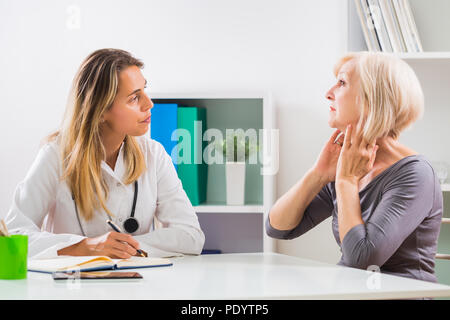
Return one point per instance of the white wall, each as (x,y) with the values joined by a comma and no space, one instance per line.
(287,47)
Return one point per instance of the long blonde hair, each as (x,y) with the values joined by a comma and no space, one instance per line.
(93,91)
(390,93)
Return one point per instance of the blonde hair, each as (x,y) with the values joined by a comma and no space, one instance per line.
(93,91)
(390,94)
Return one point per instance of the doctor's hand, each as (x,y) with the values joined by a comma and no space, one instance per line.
(357,156)
(112,244)
(325,166)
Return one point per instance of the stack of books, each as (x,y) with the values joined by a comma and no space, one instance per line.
(171,124)
(388,25)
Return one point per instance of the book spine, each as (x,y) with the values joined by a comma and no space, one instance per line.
(364,28)
(380,27)
(393,36)
(370,26)
(192,170)
(396,23)
(412,26)
(403,25)
(163,126)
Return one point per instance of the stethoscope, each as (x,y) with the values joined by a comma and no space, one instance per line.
(130,225)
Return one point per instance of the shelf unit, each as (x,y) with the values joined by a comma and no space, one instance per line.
(433,70)
(230,228)
(432,33)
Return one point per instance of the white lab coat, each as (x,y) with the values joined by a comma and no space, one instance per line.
(43,207)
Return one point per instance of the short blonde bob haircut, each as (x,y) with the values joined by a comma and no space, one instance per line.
(390,94)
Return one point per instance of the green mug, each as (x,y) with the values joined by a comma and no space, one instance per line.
(13,257)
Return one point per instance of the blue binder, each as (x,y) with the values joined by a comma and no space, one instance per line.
(164,123)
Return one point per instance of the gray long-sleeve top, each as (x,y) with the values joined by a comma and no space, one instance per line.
(402,213)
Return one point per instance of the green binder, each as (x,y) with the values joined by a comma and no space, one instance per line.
(192,170)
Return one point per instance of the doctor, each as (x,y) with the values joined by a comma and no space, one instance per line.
(100,165)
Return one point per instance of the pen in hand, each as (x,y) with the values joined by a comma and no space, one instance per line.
(117,229)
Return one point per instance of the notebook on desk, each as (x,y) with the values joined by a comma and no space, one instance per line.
(94,263)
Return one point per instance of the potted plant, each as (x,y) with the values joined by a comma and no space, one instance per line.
(236,149)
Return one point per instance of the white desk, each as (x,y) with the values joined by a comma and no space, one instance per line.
(231,276)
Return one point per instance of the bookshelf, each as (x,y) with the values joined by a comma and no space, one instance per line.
(431,22)
(234,228)
(432,66)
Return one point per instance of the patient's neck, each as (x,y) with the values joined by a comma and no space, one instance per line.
(390,151)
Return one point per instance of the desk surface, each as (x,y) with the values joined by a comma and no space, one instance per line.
(232,276)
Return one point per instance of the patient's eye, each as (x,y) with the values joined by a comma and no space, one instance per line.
(341,82)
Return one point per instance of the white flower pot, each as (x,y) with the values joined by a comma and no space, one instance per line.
(235,174)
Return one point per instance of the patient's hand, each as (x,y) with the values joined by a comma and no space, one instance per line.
(326,163)
(357,156)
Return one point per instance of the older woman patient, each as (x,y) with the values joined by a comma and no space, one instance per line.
(384,198)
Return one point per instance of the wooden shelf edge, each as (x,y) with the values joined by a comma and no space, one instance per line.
(445,187)
(445,220)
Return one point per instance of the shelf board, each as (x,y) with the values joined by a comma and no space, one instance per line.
(209,95)
(445,187)
(445,220)
(430,55)
(223,208)
(423,55)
